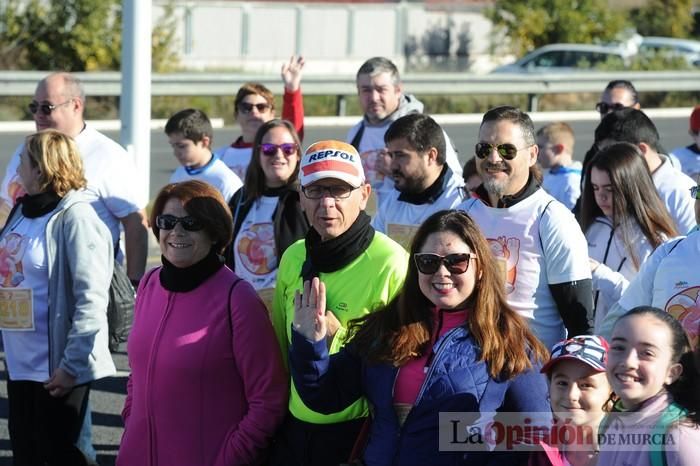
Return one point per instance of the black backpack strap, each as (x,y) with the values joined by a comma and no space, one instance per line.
(539,234)
(358,136)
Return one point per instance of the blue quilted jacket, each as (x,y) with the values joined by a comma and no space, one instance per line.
(455,382)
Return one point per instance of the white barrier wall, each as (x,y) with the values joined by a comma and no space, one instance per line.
(335,37)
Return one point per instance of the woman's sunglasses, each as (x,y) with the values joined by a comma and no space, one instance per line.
(507,151)
(457,264)
(270,150)
(245,107)
(168,222)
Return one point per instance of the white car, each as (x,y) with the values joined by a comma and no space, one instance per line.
(685,48)
(566,58)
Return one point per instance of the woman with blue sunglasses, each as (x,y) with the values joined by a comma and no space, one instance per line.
(449,344)
(267,215)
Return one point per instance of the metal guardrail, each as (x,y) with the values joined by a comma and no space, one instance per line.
(23,83)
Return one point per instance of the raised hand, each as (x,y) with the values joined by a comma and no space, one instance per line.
(310,310)
(291,73)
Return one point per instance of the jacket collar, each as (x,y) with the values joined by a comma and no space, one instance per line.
(505,202)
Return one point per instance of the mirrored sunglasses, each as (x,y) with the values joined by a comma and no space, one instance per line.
(270,150)
(695,192)
(428,263)
(168,222)
(507,151)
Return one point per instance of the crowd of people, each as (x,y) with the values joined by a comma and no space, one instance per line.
(522,308)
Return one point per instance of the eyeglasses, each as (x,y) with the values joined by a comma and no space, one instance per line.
(288,148)
(507,151)
(604,108)
(245,107)
(168,222)
(457,264)
(336,192)
(695,192)
(45,108)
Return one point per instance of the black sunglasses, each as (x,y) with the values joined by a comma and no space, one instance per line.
(428,263)
(245,107)
(604,108)
(168,222)
(45,108)
(288,148)
(508,151)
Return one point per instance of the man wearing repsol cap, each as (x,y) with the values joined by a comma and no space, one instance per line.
(361,269)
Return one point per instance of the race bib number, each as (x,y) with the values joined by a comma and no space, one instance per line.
(16,309)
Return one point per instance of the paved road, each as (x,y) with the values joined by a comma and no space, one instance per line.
(108,395)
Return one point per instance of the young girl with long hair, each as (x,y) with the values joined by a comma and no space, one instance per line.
(449,341)
(623,219)
(652,371)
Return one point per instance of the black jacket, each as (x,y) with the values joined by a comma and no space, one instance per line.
(288,220)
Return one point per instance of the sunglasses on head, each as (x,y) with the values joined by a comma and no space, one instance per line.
(245,107)
(508,151)
(604,108)
(168,222)
(45,108)
(288,148)
(428,263)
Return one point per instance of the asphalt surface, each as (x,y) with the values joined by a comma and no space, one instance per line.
(107,396)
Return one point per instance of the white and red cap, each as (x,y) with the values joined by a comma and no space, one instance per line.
(589,349)
(331,159)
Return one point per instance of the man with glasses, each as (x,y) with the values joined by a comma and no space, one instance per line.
(423,181)
(361,268)
(381,97)
(537,243)
(59,103)
(669,280)
(255,105)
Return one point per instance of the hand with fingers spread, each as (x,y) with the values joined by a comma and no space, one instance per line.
(291,73)
(310,310)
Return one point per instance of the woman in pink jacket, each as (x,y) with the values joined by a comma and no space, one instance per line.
(207,385)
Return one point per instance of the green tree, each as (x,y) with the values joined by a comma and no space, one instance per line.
(73,35)
(672,18)
(535,23)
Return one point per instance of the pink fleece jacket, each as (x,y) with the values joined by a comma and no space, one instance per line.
(206,387)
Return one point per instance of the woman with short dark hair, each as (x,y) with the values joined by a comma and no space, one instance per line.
(207,385)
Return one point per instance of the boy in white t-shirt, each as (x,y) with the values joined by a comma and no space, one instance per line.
(190,135)
(689,156)
(562,175)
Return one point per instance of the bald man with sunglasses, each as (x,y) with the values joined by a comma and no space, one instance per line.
(536,241)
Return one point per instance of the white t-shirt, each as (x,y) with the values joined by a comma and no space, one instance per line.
(689,158)
(564,183)
(536,242)
(109,171)
(236,159)
(23,268)
(616,269)
(399,220)
(669,280)
(215,172)
(673,187)
(254,251)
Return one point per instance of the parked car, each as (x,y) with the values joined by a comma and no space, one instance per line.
(566,58)
(684,48)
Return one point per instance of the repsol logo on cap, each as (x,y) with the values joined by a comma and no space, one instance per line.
(331,159)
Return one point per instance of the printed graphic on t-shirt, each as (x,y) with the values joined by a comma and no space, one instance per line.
(369,163)
(507,254)
(685,306)
(402,234)
(12,248)
(257,248)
